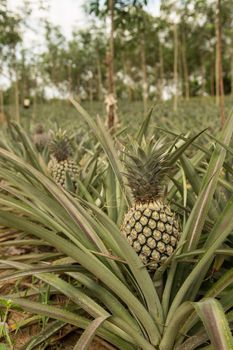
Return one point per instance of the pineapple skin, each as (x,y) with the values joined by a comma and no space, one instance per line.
(58,170)
(152,229)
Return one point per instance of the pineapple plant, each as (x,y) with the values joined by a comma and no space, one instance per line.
(40,137)
(130,316)
(61,163)
(150,226)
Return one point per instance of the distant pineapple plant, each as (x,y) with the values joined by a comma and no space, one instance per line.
(150,226)
(61,163)
(40,137)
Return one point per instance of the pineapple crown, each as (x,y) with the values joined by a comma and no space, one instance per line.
(60,145)
(39,129)
(147,165)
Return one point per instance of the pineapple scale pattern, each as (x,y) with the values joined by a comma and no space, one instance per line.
(152,229)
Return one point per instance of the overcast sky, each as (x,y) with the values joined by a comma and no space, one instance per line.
(68,13)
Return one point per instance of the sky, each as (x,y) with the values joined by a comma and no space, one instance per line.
(67,13)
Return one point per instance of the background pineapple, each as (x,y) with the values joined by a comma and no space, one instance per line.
(150,226)
(40,138)
(61,164)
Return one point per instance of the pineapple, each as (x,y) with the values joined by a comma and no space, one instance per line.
(150,226)
(60,163)
(40,138)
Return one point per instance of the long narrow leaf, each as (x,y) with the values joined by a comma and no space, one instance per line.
(86,338)
(197,218)
(92,264)
(65,316)
(106,142)
(216,325)
(224,226)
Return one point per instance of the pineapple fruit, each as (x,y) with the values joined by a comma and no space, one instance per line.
(40,137)
(150,226)
(61,163)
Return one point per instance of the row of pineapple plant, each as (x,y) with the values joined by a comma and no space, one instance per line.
(139,302)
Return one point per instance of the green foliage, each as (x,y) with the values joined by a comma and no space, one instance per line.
(9,34)
(60,145)
(78,65)
(110,292)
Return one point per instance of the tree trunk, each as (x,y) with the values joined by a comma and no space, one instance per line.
(2,117)
(175,74)
(78,84)
(90,90)
(212,86)
(69,71)
(181,69)
(16,88)
(232,72)
(161,71)
(34,107)
(203,78)
(156,79)
(219,77)
(185,68)
(216,68)
(111,105)
(17,114)
(99,76)
(144,73)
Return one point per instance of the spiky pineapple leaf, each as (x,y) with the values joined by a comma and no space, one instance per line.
(66,316)
(86,338)
(30,152)
(60,145)
(147,165)
(212,315)
(144,127)
(106,141)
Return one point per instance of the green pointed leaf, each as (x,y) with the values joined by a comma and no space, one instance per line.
(32,155)
(223,227)
(144,127)
(212,315)
(197,218)
(86,338)
(67,317)
(105,139)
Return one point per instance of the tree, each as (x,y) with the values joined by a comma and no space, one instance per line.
(172,8)
(117,11)
(109,9)
(175,74)
(138,57)
(140,25)
(9,38)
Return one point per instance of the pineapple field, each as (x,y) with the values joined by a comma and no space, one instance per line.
(116,175)
(124,237)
